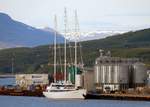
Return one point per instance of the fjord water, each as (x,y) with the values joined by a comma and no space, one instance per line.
(19,101)
(7,81)
(12,101)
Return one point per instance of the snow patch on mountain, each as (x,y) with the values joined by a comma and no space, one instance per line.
(91,35)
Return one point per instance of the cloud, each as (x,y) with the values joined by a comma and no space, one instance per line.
(130,14)
(40,13)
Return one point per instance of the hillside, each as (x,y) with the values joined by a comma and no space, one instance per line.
(17,34)
(131,44)
(127,40)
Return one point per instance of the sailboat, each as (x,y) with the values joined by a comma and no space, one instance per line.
(64,89)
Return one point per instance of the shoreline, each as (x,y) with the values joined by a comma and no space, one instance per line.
(88,96)
(126,97)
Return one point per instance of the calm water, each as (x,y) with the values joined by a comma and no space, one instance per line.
(7,81)
(12,101)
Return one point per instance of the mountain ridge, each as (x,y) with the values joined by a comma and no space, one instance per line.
(16,33)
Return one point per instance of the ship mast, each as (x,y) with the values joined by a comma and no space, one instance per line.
(65,34)
(76,34)
(55,37)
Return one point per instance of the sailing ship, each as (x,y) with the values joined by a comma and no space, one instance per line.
(65,89)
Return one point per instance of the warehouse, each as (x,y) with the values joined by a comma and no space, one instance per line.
(25,80)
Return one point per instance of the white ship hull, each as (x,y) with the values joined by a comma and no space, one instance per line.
(74,94)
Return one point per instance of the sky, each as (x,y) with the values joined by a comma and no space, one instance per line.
(92,14)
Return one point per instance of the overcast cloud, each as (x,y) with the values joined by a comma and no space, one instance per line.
(93,14)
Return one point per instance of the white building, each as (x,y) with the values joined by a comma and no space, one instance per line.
(24,80)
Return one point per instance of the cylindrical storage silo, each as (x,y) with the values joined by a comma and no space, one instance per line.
(96,74)
(115,74)
(103,73)
(109,74)
(139,74)
(123,74)
(106,74)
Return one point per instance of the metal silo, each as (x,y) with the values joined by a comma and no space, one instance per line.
(103,74)
(96,74)
(109,74)
(123,74)
(139,74)
(115,74)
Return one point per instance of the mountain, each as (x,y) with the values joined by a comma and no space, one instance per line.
(4,45)
(14,33)
(93,35)
(131,39)
(48,29)
(35,60)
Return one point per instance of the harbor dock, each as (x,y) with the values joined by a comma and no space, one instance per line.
(91,96)
(131,97)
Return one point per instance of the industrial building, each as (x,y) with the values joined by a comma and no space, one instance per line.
(25,80)
(115,73)
(88,75)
